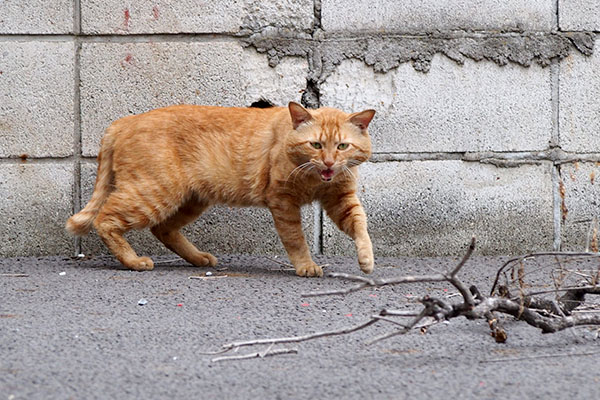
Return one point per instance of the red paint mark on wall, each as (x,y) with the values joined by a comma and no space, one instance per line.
(127,60)
(155,12)
(127,18)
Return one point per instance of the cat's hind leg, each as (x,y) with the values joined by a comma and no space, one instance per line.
(168,233)
(112,221)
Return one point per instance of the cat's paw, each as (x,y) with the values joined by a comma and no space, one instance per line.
(141,264)
(366,263)
(203,260)
(309,270)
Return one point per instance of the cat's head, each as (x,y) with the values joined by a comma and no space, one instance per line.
(327,142)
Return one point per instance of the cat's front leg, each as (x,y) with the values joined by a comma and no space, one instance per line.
(348,214)
(288,223)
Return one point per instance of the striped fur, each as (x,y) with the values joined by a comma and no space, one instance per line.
(162,169)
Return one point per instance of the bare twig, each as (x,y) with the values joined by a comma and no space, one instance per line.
(465,258)
(14,275)
(207,278)
(294,339)
(275,352)
(289,266)
(532,255)
(374,282)
(399,313)
(406,329)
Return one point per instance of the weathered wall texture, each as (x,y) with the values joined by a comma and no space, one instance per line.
(488,115)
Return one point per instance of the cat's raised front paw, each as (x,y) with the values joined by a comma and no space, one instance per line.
(309,270)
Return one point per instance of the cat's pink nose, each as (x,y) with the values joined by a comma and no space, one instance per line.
(328,163)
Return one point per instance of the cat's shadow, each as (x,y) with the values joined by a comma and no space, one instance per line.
(238,266)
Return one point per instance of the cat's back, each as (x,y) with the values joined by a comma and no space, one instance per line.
(194,121)
(224,149)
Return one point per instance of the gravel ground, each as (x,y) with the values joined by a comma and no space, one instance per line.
(74,329)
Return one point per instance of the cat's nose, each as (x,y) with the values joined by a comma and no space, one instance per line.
(328,163)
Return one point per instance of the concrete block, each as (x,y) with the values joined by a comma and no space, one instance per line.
(36,16)
(220,16)
(220,230)
(433,208)
(36,200)
(118,79)
(36,99)
(434,15)
(581,182)
(578,15)
(452,108)
(579,106)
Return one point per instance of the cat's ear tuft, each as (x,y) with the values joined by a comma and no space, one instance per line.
(299,114)
(362,119)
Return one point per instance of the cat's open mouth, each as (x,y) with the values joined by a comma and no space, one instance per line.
(327,174)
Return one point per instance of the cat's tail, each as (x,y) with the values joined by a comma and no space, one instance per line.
(81,223)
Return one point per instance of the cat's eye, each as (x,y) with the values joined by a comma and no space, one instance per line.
(343,146)
(316,145)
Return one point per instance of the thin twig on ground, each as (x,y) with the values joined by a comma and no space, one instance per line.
(274,352)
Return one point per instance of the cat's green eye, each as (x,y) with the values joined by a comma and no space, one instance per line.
(316,145)
(343,146)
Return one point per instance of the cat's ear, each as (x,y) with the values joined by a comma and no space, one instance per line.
(299,114)
(362,119)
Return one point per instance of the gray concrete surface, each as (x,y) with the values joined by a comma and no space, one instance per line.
(508,108)
(36,17)
(32,218)
(579,110)
(74,329)
(431,208)
(580,182)
(119,79)
(36,99)
(219,16)
(579,15)
(422,16)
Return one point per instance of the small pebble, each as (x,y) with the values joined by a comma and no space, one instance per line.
(208,273)
(62,273)
(142,302)
(80,255)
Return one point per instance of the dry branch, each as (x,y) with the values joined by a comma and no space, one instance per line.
(548,315)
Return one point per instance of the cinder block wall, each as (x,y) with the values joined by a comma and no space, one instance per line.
(488,118)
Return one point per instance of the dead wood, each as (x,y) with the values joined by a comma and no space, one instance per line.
(517,297)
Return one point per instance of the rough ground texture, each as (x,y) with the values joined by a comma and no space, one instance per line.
(73,329)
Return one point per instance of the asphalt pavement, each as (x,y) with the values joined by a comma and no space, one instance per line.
(86,329)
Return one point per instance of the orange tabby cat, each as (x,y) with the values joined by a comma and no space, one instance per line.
(162,169)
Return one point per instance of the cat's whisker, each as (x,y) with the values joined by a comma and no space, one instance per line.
(297,169)
(300,169)
(304,171)
(346,169)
